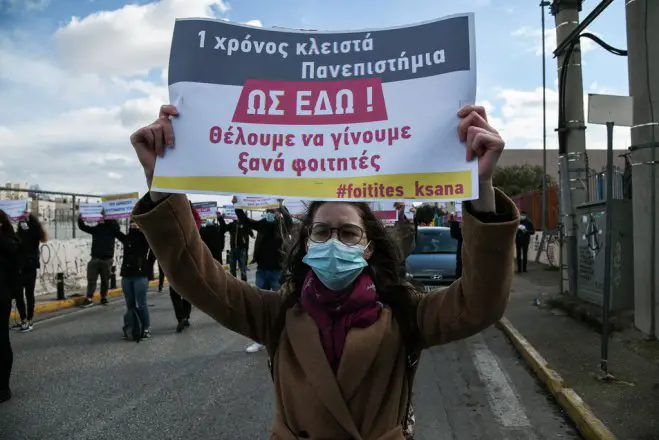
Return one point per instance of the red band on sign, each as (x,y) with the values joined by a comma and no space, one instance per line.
(311,103)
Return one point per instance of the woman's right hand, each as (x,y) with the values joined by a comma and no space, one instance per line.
(151,141)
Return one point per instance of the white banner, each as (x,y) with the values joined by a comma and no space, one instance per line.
(229,212)
(310,115)
(15,209)
(91,212)
(206,210)
(255,203)
(119,205)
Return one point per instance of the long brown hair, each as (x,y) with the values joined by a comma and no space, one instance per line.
(391,289)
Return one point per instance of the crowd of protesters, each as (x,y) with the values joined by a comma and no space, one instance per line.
(20,261)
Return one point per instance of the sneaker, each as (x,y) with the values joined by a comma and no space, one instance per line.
(254,348)
(25,327)
(5,395)
(17,326)
(104,301)
(147,334)
(180,326)
(87,303)
(186,322)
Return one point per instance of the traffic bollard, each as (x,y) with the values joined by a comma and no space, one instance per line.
(60,285)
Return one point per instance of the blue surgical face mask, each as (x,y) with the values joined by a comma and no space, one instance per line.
(269,216)
(335,264)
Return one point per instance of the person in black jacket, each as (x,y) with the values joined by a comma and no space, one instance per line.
(239,235)
(9,283)
(522,241)
(271,230)
(31,233)
(212,234)
(135,274)
(456,234)
(103,236)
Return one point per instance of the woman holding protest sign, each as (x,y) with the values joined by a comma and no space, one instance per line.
(330,324)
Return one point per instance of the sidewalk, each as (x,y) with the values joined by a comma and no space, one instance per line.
(629,407)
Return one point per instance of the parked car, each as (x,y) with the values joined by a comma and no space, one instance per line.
(432,263)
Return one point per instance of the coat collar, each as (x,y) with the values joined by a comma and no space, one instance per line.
(361,348)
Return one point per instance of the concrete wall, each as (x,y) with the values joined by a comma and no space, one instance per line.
(70,257)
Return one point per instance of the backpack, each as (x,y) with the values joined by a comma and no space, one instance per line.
(410,369)
(133,327)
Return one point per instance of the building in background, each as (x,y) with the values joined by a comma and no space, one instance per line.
(8,194)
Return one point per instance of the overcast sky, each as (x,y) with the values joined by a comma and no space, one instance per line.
(78,76)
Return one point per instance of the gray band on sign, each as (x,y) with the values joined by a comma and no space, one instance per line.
(219,52)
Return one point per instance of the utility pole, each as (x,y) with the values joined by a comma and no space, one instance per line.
(572,166)
(643,58)
(543,11)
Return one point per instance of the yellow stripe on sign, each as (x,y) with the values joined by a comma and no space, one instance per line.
(448,185)
(120,196)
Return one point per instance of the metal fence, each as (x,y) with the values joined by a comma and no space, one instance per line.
(531,202)
(57,211)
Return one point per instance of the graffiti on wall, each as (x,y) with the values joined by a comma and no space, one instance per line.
(70,258)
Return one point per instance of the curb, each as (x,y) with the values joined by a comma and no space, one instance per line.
(579,412)
(55,306)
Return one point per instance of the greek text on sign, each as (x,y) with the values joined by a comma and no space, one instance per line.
(119,206)
(310,115)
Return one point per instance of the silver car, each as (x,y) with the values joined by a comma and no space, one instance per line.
(432,263)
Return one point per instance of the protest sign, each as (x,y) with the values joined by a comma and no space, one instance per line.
(119,205)
(15,209)
(256,203)
(229,212)
(91,212)
(206,210)
(367,115)
(388,218)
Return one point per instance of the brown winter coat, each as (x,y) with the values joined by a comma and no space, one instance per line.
(366,399)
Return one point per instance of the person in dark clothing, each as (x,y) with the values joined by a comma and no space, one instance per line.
(182,308)
(9,283)
(239,235)
(271,230)
(456,233)
(404,234)
(212,234)
(134,274)
(30,233)
(522,241)
(103,236)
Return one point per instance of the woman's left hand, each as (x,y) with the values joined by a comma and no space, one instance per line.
(481,140)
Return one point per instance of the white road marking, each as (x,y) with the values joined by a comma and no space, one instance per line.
(502,398)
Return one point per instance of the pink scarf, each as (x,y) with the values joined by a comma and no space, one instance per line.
(335,313)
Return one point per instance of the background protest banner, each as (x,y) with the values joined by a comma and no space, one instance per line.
(119,205)
(229,212)
(256,203)
(91,212)
(206,210)
(367,115)
(15,209)
(388,218)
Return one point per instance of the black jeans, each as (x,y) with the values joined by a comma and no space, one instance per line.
(6,354)
(182,307)
(26,293)
(96,267)
(522,251)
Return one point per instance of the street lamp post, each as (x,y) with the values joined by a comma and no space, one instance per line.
(543,5)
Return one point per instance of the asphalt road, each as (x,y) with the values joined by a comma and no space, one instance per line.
(76,379)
